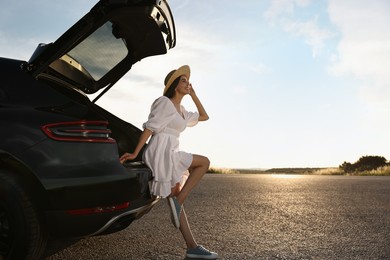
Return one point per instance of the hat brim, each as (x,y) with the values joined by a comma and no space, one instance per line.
(183,70)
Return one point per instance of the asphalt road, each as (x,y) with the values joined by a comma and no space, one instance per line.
(261,217)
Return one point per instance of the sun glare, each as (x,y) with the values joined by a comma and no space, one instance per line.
(286,176)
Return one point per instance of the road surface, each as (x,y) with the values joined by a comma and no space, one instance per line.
(261,217)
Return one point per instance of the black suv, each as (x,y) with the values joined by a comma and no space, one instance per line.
(60,174)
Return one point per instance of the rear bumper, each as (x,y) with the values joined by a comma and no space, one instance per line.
(134,213)
(83,206)
(79,193)
(62,224)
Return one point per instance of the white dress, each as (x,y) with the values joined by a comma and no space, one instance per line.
(169,165)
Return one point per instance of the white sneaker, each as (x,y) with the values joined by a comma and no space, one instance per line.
(201,253)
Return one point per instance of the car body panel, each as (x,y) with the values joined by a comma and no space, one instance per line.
(77,185)
(71,179)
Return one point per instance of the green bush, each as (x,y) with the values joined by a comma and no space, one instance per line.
(365,163)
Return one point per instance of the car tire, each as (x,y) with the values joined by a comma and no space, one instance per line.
(22,234)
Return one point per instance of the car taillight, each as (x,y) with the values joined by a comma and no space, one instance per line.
(79,131)
(97,210)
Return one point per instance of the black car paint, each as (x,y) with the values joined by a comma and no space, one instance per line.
(69,177)
(71,188)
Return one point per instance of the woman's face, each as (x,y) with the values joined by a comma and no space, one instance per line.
(184,86)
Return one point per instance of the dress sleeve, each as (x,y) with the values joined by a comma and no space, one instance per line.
(161,113)
(190,117)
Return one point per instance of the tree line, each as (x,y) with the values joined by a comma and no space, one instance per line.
(365,163)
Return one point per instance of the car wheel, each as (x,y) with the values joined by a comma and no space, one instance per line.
(22,235)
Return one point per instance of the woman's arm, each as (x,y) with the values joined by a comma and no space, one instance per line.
(141,142)
(203,116)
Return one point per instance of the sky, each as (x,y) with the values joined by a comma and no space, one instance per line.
(286,83)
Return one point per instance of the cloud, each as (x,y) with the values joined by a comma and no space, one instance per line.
(364,48)
(239,90)
(283,7)
(179,5)
(260,69)
(314,36)
(284,13)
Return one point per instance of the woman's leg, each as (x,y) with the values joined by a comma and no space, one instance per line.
(186,231)
(199,166)
(184,225)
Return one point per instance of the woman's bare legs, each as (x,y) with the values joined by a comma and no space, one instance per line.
(199,166)
(186,230)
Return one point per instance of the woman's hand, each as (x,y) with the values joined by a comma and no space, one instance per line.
(141,142)
(202,112)
(191,90)
(127,156)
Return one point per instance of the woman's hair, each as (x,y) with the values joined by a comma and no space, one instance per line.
(171,90)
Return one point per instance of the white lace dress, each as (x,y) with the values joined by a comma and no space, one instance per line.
(169,165)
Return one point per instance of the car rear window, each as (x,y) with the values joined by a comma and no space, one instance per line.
(99,53)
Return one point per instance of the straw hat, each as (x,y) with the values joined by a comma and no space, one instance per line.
(174,74)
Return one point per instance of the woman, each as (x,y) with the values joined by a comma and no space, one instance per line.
(175,172)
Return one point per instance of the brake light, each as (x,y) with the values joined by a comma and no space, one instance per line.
(97,210)
(79,131)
